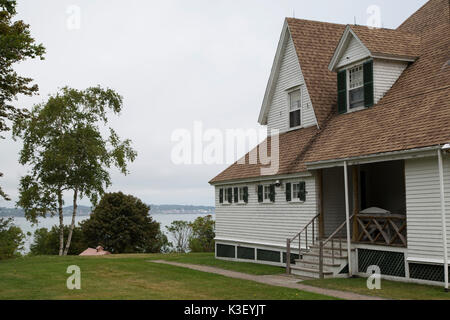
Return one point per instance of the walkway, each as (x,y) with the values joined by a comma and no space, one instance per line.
(274,280)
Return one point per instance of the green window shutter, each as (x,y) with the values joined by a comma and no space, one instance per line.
(230,195)
(288,192)
(272,193)
(246,194)
(342,91)
(368,84)
(260,194)
(221,196)
(302,191)
(236,195)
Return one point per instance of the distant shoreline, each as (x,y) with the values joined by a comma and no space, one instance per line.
(84,211)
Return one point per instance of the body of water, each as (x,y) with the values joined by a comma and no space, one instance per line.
(164,219)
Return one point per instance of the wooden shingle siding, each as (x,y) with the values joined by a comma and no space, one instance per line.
(269,223)
(385,74)
(354,52)
(289,76)
(423,207)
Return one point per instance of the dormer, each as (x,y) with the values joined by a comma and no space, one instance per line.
(368,61)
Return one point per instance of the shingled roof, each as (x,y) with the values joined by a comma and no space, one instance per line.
(389,42)
(414,113)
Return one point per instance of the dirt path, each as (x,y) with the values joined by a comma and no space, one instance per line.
(274,280)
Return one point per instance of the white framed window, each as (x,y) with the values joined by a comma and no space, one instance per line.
(226,195)
(355,87)
(296,191)
(295,108)
(266,193)
(241,195)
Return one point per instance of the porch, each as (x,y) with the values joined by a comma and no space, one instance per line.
(376,202)
(371,197)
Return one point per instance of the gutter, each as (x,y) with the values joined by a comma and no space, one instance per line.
(378,157)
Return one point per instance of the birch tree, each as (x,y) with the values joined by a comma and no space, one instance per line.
(66,152)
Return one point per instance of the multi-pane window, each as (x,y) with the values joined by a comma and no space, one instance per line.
(296,191)
(356,87)
(227,195)
(241,194)
(295,105)
(266,193)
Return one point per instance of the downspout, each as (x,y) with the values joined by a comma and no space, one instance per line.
(347,214)
(444,223)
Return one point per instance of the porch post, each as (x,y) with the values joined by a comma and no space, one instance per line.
(319,192)
(444,223)
(355,179)
(347,214)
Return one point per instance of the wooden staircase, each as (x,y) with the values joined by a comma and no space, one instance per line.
(334,260)
(318,258)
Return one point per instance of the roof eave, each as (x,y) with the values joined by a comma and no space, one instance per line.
(262,120)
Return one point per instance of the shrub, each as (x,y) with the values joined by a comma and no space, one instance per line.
(46,242)
(122,224)
(11,239)
(202,239)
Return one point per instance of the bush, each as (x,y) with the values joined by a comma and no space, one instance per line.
(46,242)
(122,224)
(11,239)
(202,239)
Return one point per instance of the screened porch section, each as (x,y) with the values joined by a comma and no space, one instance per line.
(377,203)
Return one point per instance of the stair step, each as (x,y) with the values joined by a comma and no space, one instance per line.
(310,273)
(327,259)
(314,263)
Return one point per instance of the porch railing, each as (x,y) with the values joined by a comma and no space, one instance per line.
(381,230)
(335,236)
(313,227)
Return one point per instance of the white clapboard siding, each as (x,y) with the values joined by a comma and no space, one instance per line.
(354,51)
(385,74)
(289,76)
(424,207)
(265,223)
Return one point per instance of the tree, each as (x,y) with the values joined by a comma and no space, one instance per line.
(45,242)
(181,232)
(16,45)
(11,239)
(122,224)
(202,239)
(66,152)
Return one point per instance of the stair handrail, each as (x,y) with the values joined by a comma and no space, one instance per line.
(332,238)
(299,236)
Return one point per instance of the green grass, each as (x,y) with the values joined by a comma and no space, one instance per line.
(130,277)
(389,289)
(208,259)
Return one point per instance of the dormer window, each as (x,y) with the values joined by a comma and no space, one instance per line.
(356,87)
(295,105)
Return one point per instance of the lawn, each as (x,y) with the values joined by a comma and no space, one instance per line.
(208,259)
(389,289)
(133,277)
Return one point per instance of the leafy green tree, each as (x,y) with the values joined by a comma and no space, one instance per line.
(202,239)
(122,224)
(16,45)
(11,239)
(181,232)
(45,242)
(65,150)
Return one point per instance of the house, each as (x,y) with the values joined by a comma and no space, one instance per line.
(363,176)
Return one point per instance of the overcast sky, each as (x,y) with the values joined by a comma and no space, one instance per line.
(174,62)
